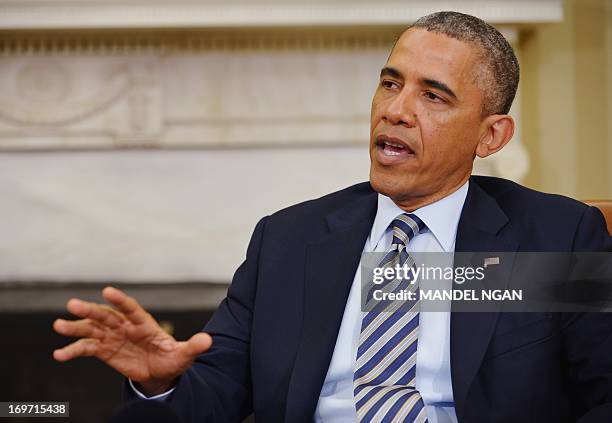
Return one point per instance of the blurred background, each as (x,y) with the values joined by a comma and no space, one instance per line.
(140,142)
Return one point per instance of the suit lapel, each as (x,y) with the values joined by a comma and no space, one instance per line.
(330,266)
(479,231)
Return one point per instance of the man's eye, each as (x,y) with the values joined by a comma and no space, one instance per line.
(385,83)
(433,96)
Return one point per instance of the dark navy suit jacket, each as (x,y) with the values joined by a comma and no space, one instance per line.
(275,333)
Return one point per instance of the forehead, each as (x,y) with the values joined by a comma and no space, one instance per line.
(419,53)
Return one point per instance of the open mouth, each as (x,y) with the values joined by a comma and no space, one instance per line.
(391,150)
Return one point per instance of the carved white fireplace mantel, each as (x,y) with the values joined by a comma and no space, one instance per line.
(213,99)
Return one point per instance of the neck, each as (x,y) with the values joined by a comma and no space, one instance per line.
(410,204)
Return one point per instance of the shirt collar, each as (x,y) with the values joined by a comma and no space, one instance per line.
(441,217)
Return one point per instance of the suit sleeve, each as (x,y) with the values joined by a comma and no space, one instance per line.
(217,387)
(588,336)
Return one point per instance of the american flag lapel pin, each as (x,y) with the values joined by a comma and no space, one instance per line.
(491,261)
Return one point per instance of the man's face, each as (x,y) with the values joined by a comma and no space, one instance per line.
(426,119)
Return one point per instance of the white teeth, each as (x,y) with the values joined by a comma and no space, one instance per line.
(391,153)
(394,145)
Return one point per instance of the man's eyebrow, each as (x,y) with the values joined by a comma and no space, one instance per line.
(392,72)
(439,86)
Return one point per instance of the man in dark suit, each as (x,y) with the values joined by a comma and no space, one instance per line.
(288,342)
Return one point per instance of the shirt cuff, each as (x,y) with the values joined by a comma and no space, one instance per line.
(159,397)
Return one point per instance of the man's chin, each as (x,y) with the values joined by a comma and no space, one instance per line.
(390,186)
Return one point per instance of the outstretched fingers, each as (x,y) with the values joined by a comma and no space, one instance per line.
(85,328)
(100,313)
(126,305)
(85,347)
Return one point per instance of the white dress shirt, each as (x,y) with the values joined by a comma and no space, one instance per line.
(433,376)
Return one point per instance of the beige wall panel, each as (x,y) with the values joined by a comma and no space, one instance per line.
(591,99)
(609,85)
(566,102)
(548,106)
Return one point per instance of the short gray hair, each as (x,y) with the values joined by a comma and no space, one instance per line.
(499,77)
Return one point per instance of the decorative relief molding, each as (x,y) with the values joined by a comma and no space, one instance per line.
(43,91)
(86,102)
(102,43)
(180,99)
(62,14)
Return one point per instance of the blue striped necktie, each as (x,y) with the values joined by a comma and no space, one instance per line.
(384,379)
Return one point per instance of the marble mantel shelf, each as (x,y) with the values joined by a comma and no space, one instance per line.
(100,14)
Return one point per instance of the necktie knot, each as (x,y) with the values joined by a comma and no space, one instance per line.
(405,227)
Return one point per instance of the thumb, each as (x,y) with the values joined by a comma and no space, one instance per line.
(197,344)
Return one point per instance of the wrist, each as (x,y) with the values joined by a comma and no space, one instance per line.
(151,388)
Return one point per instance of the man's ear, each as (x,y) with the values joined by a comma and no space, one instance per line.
(498,130)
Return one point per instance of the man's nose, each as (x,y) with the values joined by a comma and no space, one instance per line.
(400,110)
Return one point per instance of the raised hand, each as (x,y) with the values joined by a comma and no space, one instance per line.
(128,339)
